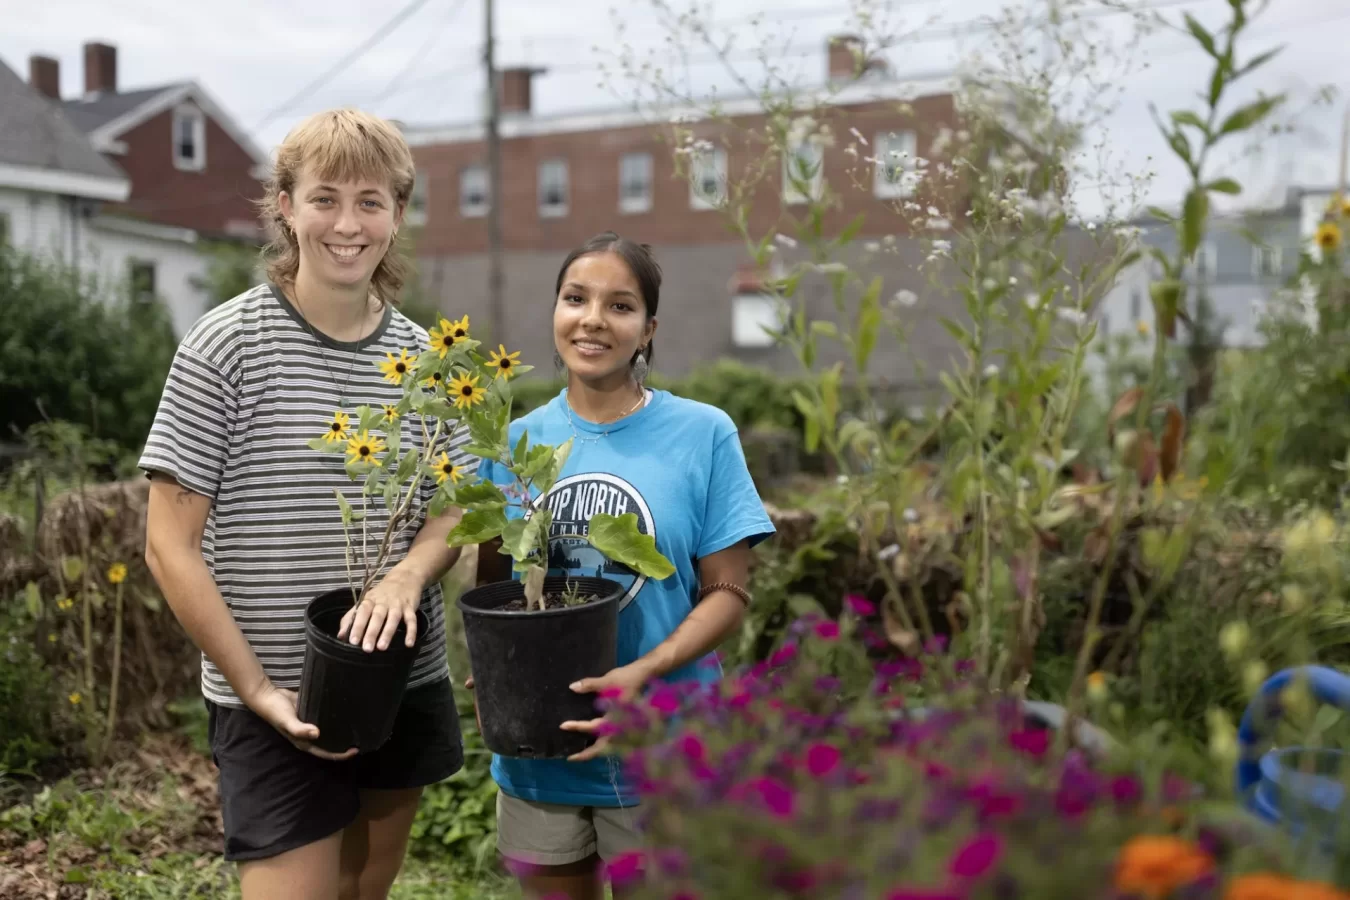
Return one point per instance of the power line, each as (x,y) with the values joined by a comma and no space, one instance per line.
(380,34)
(416,59)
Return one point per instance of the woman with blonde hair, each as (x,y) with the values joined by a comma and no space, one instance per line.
(243,530)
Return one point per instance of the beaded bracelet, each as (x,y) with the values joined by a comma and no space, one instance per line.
(729,588)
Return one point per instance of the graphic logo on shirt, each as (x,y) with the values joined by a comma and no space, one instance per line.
(573,501)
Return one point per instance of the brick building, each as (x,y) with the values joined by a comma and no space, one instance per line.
(568,177)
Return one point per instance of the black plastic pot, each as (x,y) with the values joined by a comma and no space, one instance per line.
(524,663)
(351,695)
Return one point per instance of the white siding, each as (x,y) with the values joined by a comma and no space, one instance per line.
(47,224)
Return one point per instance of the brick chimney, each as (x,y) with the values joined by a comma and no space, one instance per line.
(100,68)
(515,89)
(44,74)
(843,65)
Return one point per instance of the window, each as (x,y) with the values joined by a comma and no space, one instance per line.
(751,315)
(553,188)
(804,167)
(189,139)
(635,182)
(708,177)
(473,191)
(142,281)
(1266,261)
(416,213)
(895,169)
(4,229)
(1206,261)
(1136,304)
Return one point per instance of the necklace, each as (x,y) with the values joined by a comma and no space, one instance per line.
(595,437)
(323,355)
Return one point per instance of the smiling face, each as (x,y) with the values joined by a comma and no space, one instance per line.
(600,320)
(343,228)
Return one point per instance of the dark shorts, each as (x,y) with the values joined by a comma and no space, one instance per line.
(275,798)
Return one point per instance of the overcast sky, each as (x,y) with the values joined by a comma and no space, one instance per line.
(253,55)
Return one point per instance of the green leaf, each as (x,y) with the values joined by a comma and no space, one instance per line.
(1161,214)
(522,445)
(477,526)
(517,539)
(33,599)
(829,395)
(407,466)
(536,460)
(1205,39)
(344,508)
(72,567)
(1186,117)
(1251,114)
(1196,211)
(869,323)
(480,495)
(1224,186)
(619,539)
(393,437)
(826,328)
(326,446)
(368,419)
(544,481)
(439,504)
(851,230)
(391,494)
(1257,61)
(1180,146)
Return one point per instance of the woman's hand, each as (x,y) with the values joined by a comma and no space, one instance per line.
(373,621)
(628,681)
(277,706)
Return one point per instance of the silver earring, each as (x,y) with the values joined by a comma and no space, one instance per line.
(640,368)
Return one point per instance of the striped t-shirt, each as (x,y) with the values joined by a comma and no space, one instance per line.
(251,384)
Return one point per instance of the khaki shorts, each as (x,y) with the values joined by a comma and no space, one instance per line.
(546,834)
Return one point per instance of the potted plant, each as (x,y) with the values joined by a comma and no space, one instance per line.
(528,639)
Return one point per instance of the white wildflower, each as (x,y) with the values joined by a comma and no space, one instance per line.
(990,370)
(872,247)
(933,211)
(989,284)
(942,247)
(851,151)
(889,552)
(832,268)
(889,240)
(911,206)
(905,297)
(911,515)
(938,224)
(1012,279)
(785,241)
(1033,301)
(858,134)
(841,479)
(1073,316)
(920,161)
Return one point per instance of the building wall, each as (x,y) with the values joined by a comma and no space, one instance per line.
(593,172)
(208,201)
(45,225)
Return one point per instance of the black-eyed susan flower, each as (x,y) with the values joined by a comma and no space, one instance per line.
(435,380)
(465,391)
(395,367)
(505,363)
(337,429)
(390,414)
(117,573)
(363,448)
(447,469)
(443,337)
(460,329)
(1328,236)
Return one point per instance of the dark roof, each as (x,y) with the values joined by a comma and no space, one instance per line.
(101,109)
(34,132)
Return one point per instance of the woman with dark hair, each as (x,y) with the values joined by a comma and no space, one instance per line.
(676,464)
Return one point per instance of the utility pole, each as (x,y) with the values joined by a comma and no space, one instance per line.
(1345,153)
(496,312)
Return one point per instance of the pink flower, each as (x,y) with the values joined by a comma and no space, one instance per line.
(665,700)
(977,857)
(625,868)
(822,759)
(861,605)
(921,894)
(786,654)
(1125,790)
(827,630)
(684,895)
(611,693)
(1031,741)
(777,796)
(691,745)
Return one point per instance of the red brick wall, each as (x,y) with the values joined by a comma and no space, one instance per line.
(593,170)
(207,200)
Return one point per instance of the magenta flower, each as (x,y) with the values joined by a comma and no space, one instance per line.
(626,868)
(827,630)
(977,857)
(777,796)
(665,700)
(822,759)
(922,894)
(684,895)
(1031,741)
(861,605)
(1125,790)
(611,693)
(691,745)
(786,654)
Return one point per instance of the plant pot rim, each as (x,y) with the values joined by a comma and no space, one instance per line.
(354,652)
(613,595)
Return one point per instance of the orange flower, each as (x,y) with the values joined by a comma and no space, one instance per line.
(1154,865)
(1269,886)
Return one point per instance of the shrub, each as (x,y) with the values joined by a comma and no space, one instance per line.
(27,696)
(78,351)
(458,816)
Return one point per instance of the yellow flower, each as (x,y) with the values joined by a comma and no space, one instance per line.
(464,388)
(1096,686)
(447,334)
(65,603)
(75,698)
(390,414)
(337,429)
(434,381)
(505,363)
(1328,236)
(1142,327)
(363,448)
(395,367)
(117,573)
(51,638)
(446,469)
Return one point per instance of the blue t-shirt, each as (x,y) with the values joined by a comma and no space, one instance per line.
(679,466)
